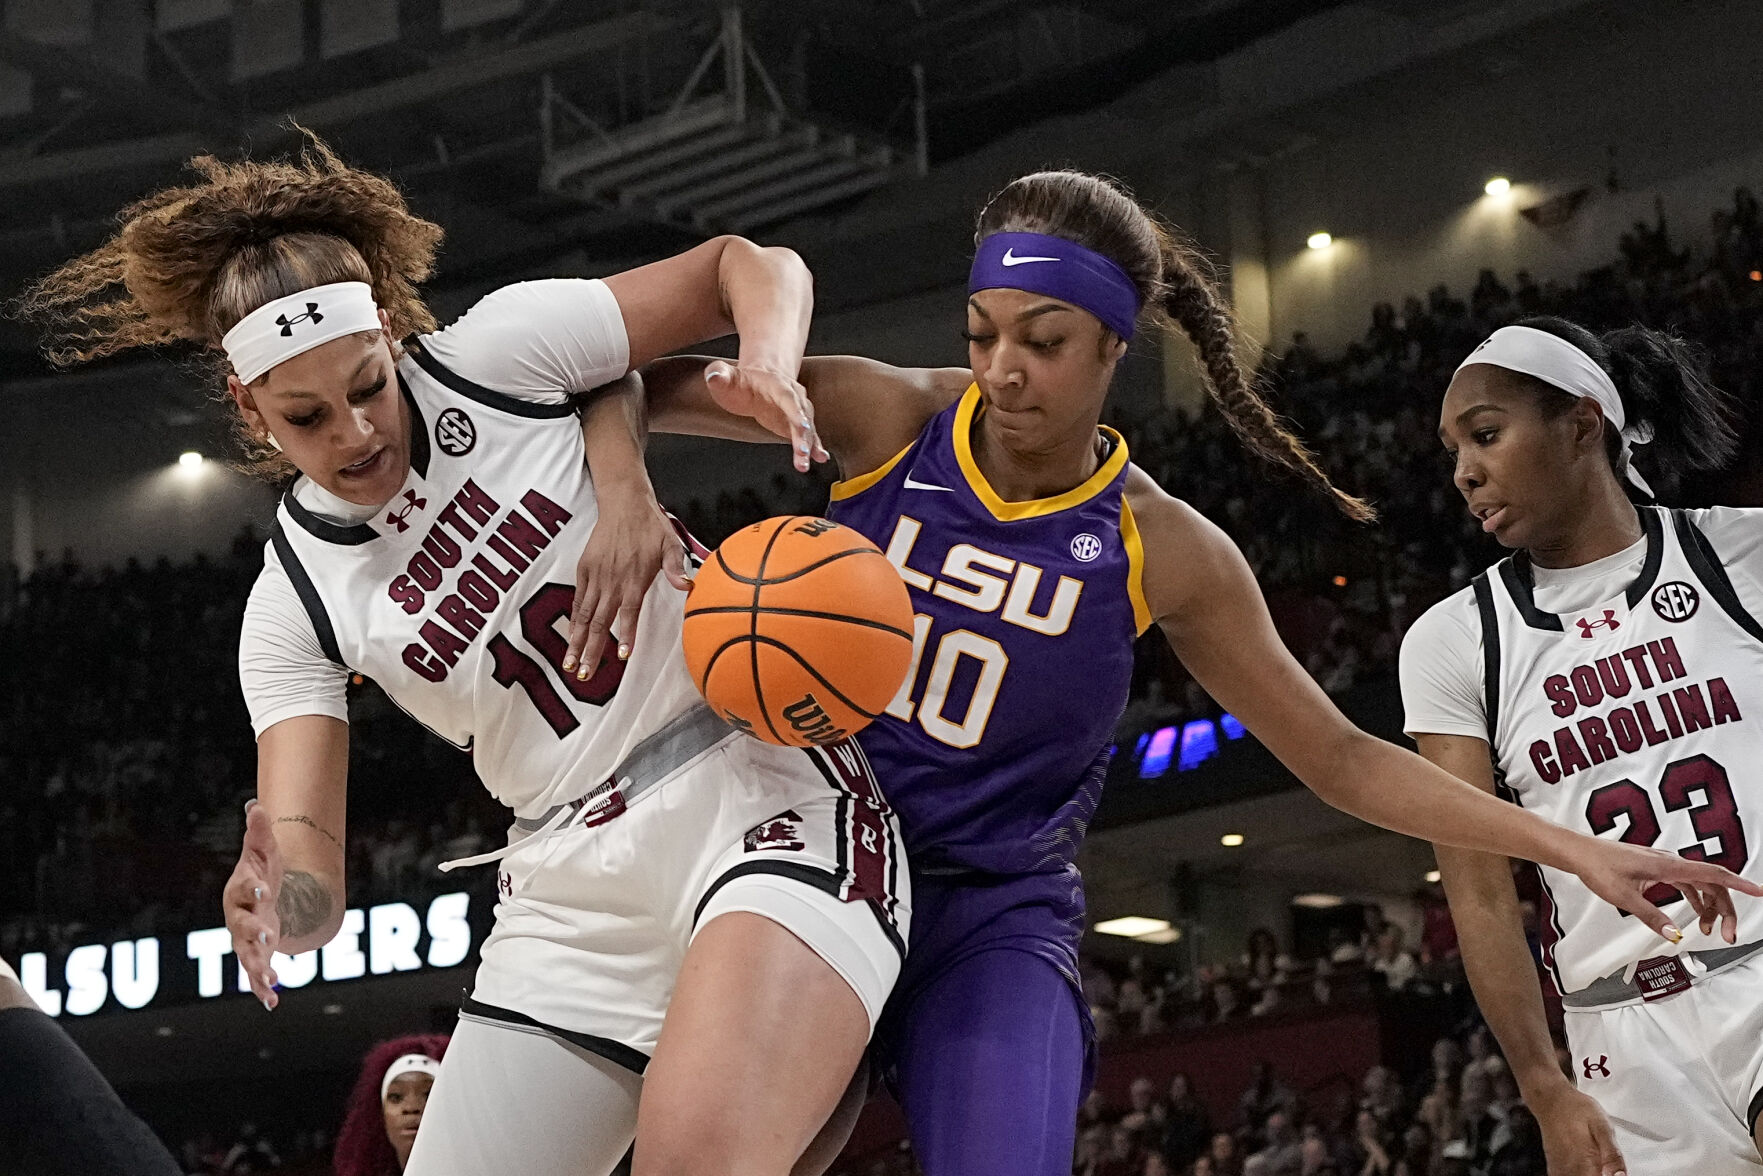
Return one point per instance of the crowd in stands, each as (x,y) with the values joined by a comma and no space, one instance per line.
(1460,1114)
(1344,593)
(252,1152)
(1140,999)
(123,738)
(126,754)
(1463,1118)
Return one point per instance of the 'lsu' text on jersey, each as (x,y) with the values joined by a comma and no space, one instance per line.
(1639,718)
(455,596)
(994,750)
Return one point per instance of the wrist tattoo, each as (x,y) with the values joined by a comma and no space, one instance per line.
(303,904)
(303,819)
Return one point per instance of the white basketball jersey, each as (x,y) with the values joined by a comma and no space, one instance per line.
(1641,719)
(455,598)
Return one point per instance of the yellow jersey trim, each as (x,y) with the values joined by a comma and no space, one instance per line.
(851,487)
(1033,508)
(1135,566)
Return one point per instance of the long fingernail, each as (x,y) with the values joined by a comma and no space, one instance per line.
(624,651)
(1673,934)
(263,938)
(249,803)
(267,1007)
(257,894)
(568,662)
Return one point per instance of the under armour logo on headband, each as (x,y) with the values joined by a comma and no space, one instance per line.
(287,324)
(266,336)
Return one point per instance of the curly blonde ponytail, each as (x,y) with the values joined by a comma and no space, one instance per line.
(190,262)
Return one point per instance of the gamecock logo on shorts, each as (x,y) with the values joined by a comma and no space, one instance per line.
(781,832)
(455,433)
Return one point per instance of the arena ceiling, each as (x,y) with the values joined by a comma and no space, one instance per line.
(468,103)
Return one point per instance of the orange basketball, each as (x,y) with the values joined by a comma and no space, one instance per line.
(798,631)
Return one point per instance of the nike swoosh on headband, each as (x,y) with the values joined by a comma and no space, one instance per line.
(1010,258)
(912,483)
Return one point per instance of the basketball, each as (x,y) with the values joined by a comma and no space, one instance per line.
(798,631)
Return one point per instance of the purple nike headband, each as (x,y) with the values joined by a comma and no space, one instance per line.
(1059,269)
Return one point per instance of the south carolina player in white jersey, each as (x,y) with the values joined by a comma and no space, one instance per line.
(685,913)
(1609,676)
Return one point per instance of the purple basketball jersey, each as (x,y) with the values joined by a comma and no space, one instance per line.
(993,752)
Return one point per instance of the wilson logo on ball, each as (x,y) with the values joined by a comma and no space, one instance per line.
(808,719)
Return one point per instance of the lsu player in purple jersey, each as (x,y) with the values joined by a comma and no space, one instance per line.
(1605,675)
(1035,553)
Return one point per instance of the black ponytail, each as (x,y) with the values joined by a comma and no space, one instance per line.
(1663,381)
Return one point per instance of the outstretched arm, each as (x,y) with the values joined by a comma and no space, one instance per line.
(1205,599)
(287,891)
(1484,907)
(730,285)
(866,411)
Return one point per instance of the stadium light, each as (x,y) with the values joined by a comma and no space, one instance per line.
(1318,902)
(1167,935)
(1231,840)
(1320,240)
(1498,186)
(1133,926)
(190,460)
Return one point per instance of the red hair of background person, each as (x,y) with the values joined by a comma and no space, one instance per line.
(362,1146)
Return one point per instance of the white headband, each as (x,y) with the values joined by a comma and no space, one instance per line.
(282,329)
(1560,364)
(408,1064)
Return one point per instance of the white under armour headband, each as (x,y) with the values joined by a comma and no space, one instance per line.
(1560,364)
(305,319)
(408,1064)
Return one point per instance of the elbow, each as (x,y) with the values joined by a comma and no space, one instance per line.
(1337,775)
(778,258)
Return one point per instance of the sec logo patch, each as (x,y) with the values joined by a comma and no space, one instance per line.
(455,433)
(1676,601)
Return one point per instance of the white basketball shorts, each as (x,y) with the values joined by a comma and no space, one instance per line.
(594,919)
(1680,1077)
(592,926)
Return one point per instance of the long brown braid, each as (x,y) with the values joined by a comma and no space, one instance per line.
(1179,288)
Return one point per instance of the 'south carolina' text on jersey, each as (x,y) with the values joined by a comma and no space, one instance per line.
(1647,721)
(498,550)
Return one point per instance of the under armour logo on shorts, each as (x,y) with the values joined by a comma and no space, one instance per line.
(1601,1066)
(287,324)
